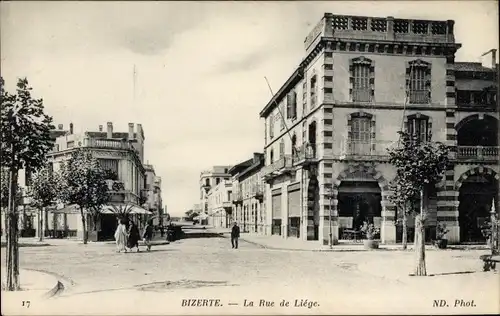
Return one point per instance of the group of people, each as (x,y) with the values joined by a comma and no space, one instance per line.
(127,235)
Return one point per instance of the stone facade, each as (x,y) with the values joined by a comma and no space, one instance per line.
(211,178)
(328,128)
(219,204)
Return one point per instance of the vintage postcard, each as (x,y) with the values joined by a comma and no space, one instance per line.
(249,157)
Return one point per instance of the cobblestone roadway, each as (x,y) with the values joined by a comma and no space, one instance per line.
(342,281)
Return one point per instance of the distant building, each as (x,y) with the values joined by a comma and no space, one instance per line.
(152,195)
(209,179)
(248,195)
(219,204)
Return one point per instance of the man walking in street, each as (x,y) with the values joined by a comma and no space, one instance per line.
(235,234)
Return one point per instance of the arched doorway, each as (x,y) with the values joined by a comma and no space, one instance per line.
(359,202)
(478,131)
(476,195)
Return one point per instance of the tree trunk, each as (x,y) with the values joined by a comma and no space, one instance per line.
(12,236)
(45,221)
(405,230)
(84,225)
(40,225)
(420,269)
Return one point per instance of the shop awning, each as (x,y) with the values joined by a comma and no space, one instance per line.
(124,209)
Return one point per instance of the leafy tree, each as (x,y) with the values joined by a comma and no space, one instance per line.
(84,184)
(25,135)
(419,164)
(44,191)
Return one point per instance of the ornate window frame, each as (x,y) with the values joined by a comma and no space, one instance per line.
(371,77)
(418,116)
(427,68)
(361,114)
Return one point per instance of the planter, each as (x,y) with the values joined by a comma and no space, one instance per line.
(370,244)
(441,243)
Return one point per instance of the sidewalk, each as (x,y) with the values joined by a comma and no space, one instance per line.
(34,284)
(275,242)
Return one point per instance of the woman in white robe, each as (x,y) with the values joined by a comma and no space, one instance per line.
(121,237)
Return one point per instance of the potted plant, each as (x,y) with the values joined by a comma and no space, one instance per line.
(370,231)
(441,241)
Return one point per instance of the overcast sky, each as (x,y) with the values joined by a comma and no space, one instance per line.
(200,68)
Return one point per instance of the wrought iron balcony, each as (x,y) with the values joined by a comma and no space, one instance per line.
(237,196)
(367,150)
(257,190)
(305,154)
(362,95)
(108,144)
(281,165)
(482,153)
(419,97)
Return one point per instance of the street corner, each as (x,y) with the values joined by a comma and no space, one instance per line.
(35,288)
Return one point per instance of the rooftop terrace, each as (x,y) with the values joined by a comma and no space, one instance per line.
(382,29)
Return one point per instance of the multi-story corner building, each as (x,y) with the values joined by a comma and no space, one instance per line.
(121,153)
(248,195)
(209,179)
(328,128)
(152,195)
(219,204)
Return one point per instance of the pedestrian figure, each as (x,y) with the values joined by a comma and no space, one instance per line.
(133,236)
(121,236)
(148,234)
(235,234)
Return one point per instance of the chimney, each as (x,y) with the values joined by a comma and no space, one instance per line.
(100,128)
(110,130)
(60,127)
(71,128)
(130,131)
(489,61)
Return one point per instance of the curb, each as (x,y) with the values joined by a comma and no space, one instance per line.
(56,290)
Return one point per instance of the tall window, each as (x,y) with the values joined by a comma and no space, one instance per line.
(314,87)
(362,79)
(207,182)
(281,116)
(418,74)
(304,97)
(291,105)
(217,181)
(282,148)
(418,127)
(361,134)
(271,156)
(271,126)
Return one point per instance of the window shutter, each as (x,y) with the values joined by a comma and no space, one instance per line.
(282,148)
(423,130)
(289,106)
(293,100)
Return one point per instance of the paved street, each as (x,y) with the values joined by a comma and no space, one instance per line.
(340,282)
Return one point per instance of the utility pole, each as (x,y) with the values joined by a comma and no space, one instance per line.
(330,241)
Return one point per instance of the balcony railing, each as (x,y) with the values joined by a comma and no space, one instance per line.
(367,149)
(237,196)
(257,190)
(304,153)
(108,143)
(282,163)
(419,97)
(361,95)
(477,152)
